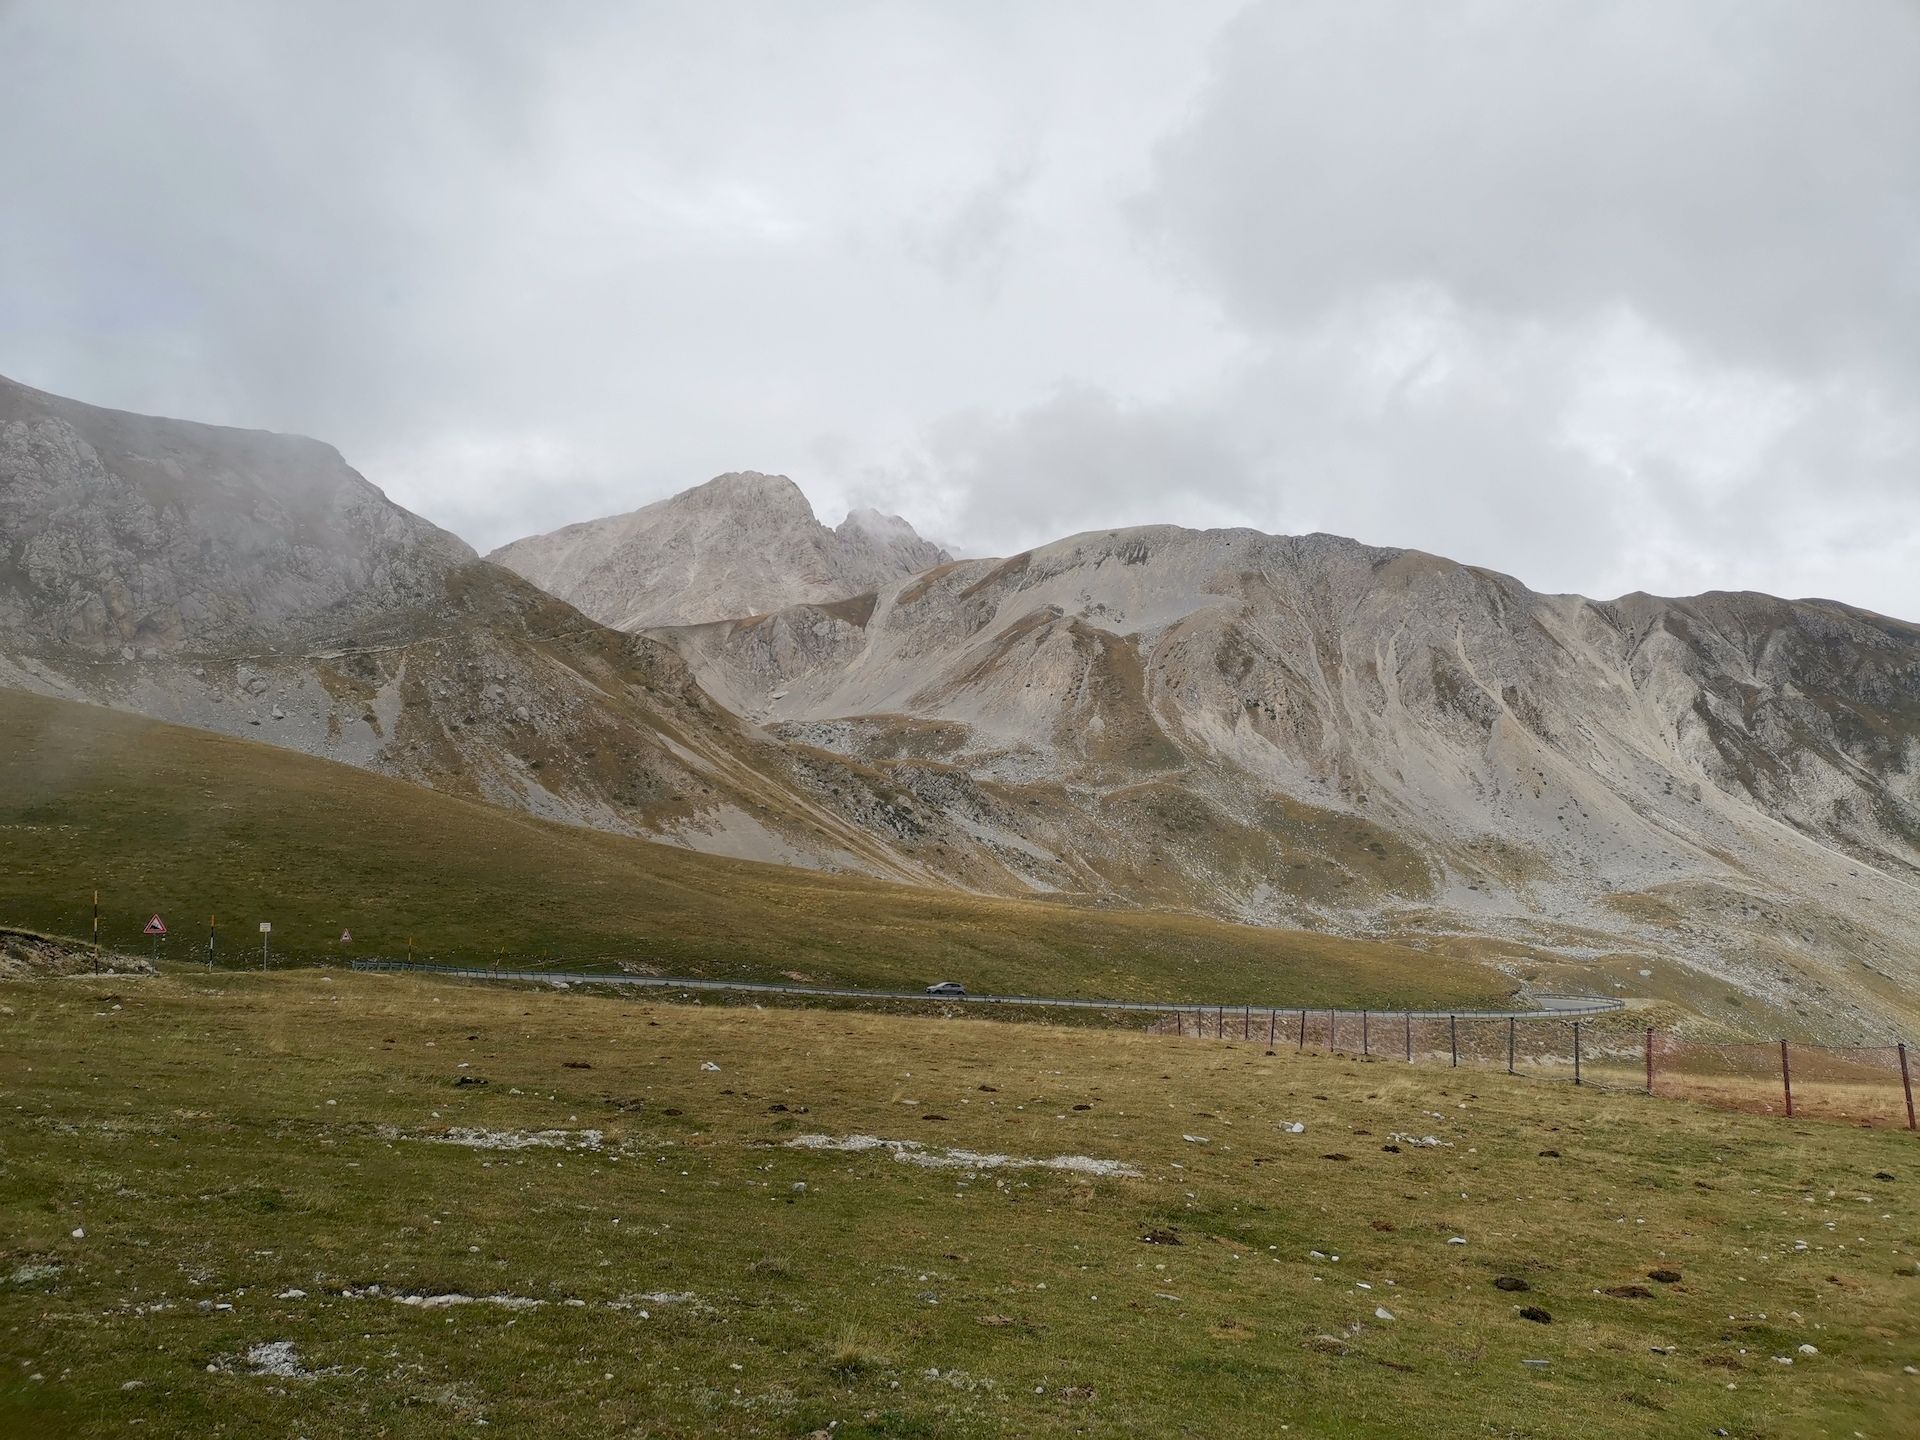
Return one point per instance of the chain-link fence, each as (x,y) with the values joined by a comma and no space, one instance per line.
(1862,1084)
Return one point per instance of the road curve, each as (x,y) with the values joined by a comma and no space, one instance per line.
(1545,1006)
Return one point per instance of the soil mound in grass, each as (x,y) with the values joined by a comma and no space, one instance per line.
(25,954)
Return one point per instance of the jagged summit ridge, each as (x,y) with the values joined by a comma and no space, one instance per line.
(741,544)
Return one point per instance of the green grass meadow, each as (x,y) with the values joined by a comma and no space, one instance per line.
(193,825)
(204,1179)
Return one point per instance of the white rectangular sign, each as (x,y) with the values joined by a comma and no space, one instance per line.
(265,926)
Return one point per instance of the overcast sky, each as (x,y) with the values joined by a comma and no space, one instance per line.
(1608,296)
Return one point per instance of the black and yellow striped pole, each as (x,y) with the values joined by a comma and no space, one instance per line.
(210,934)
(96,932)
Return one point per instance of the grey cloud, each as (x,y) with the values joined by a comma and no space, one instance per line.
(1744,175)
(1606,295)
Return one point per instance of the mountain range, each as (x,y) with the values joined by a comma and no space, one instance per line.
(1712,800)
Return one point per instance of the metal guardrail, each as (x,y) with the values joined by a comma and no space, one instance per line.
(1546,1005)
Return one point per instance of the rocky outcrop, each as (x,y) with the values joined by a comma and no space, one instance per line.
(741,544)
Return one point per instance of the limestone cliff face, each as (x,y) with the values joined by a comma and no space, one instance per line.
(740,544)
(122,534)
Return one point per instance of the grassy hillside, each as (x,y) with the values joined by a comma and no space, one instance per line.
(247,1204)
(192,824)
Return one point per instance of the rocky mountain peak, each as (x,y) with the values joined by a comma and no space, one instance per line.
(746,487)
(740,544)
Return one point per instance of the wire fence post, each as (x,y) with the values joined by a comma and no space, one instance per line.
(1649,1059)
(1786,1078)
(1576,1052)
(1179,1024)
(1246,1023)
(1303,1030)
(1453,1037)
(1409,1018)
(1906,1083)
(1273,1021)
(1510,1026)
(1364,1049)
(1333,1034)
(1220,1020)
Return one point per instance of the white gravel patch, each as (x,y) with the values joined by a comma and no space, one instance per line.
(912,1152)
(474,1138)
(443,1302)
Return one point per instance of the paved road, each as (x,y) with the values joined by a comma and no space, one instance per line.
(1545,1006)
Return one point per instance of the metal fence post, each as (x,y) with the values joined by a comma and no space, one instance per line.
(1365,1050)
(1246,1023)
(1273,1020)
(1649,1060)
(1453,1036)
(1576,1052)
(1786,1078)
(1303,1030)
(1510,1028)
(1333,1033)
(1220,1020)
(1409,1016)
(1906,1083)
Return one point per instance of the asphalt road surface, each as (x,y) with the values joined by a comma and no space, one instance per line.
(1543,1005)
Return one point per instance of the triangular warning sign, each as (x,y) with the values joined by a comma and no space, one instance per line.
(346,937)
(156,926)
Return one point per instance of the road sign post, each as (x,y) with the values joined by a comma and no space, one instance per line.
(266,929)
(210,934)
(157,929)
